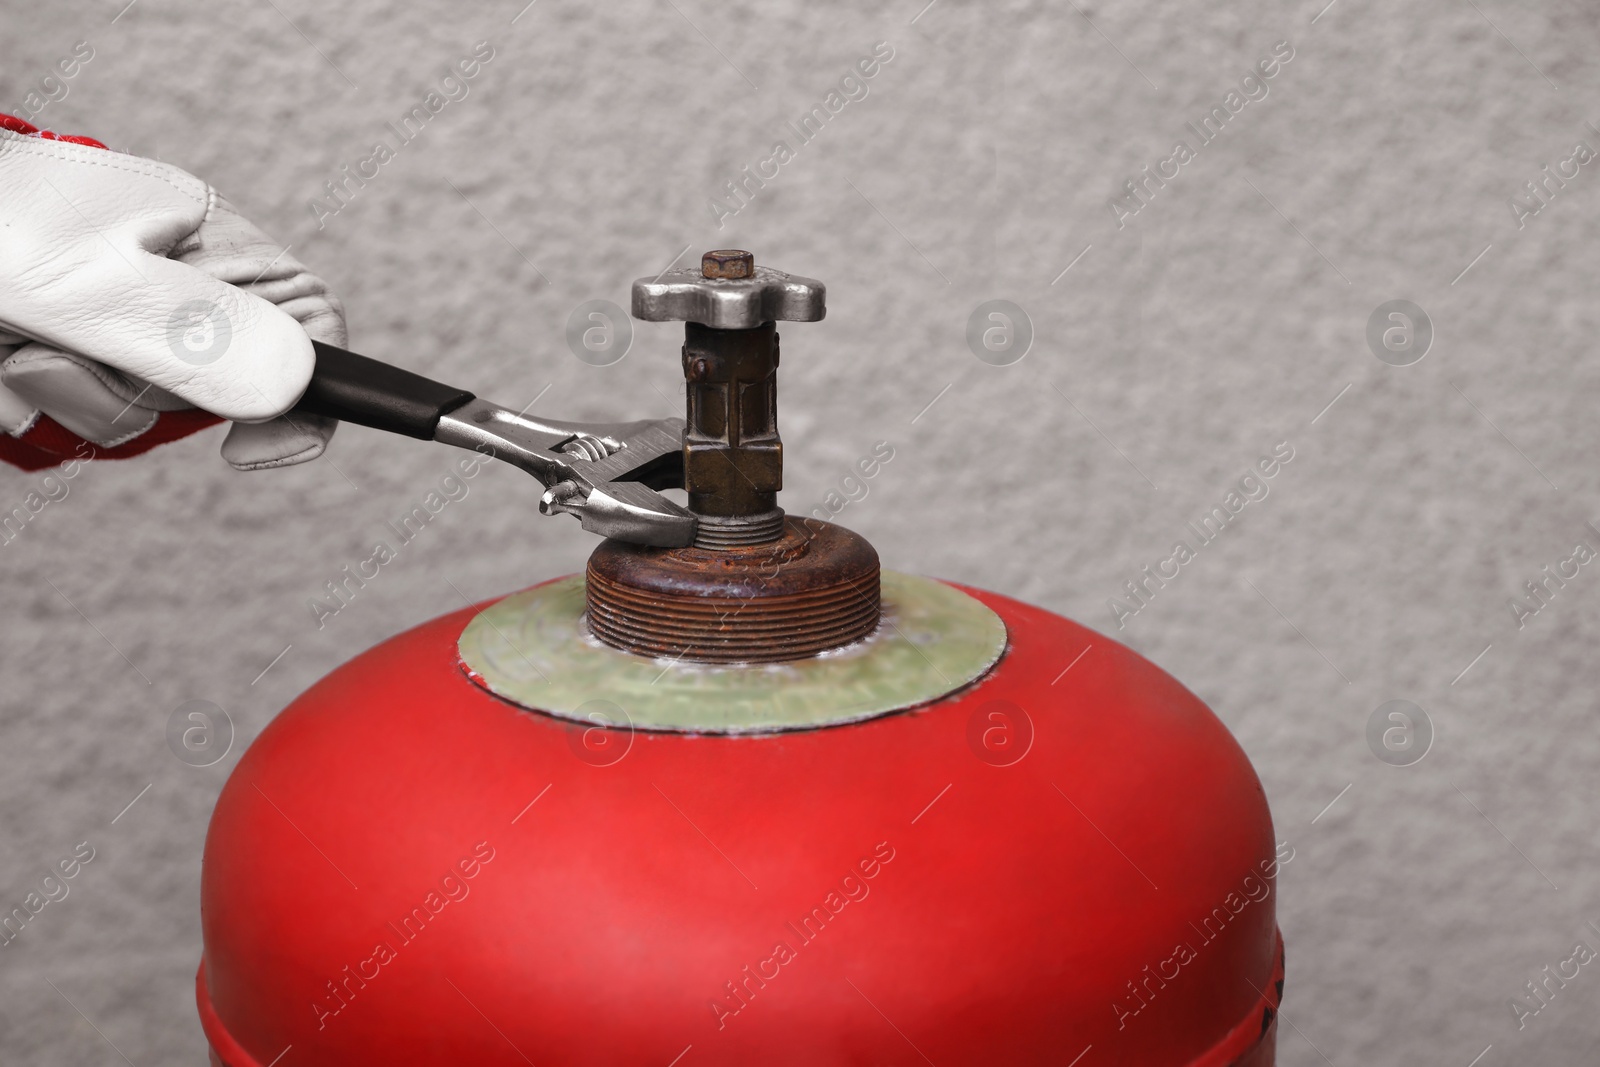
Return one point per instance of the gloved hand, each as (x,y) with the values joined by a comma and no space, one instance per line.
(137,306)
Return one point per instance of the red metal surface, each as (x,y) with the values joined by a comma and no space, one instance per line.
(1002,877)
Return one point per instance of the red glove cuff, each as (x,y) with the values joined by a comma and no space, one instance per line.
(16,125)
(47,443)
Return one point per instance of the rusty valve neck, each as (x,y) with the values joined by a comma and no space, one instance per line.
(732,454)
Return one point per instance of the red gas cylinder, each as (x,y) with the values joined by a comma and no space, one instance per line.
(967,831)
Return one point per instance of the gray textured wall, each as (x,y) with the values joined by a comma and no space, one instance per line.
(1217,322)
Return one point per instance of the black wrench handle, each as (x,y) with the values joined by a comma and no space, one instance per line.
(367,392)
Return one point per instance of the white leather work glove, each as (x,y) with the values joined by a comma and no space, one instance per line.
(137,306)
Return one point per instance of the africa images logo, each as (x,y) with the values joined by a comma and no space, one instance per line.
(199,332)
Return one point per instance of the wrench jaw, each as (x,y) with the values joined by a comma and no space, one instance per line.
(631,511)
(605,474)
(615,495)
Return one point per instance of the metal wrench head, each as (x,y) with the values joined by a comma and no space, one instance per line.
(612,494)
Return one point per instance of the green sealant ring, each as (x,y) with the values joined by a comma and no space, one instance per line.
(534,649)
